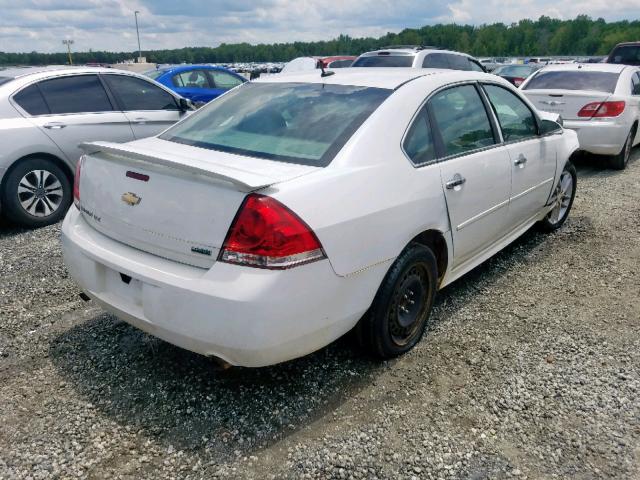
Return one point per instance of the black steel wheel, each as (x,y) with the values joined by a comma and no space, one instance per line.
(400,311)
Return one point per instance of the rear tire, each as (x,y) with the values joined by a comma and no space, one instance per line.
(36,193)
(564,193)
(400,311)
(620,161)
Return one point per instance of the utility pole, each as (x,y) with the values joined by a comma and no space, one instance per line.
(68,43)
(138,34)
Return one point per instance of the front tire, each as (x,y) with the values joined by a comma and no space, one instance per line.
(620,161)
(563,196)
(36,193)
(400,311)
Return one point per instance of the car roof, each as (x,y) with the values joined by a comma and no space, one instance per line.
(389,78)
(587,67)
(16,72)
(183,68)
(411,51)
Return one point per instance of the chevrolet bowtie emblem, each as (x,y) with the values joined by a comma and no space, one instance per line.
(131,199)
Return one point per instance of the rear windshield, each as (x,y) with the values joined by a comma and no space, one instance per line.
(574,80)
(627,55)
(290,122)
(514,71)
(384,61)
(5,80)
(153,74)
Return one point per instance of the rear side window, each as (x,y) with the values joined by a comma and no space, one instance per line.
(418,144)
(340,64)
(224,80)
(574,80)
(474,66)
(31,101)
(191,79)
(77,94)
(137,94)
(436,60)
(635,84)
(516,120)
(461,120)
(384,61)
(626,55)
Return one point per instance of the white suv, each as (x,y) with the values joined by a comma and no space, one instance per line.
(418,57)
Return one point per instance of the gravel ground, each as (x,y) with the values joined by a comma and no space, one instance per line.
(530,370)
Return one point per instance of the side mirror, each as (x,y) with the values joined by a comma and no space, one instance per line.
(549,126)
(186,104)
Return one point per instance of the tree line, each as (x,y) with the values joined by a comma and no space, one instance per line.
(545,36)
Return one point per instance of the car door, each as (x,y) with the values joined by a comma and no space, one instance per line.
(75,109)
(474,169)
(149,108)
(194,85)
(222,81)
(533,157)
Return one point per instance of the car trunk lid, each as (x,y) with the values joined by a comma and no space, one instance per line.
(565,102)
(172,200)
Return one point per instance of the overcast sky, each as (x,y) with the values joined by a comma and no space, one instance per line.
(27,25)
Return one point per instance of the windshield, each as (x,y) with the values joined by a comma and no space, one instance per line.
(306,123)
(514,71)
(384,61)
(153,74)
(574,80)
(627,55)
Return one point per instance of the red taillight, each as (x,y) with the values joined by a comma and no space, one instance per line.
(518,81)
(76,182)
(267,234)
(601,109)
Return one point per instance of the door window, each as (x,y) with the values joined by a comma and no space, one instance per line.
(137,94)
(31,101)
(461,119)
(418,144)
(75,94)
(223,80)
(191,79)
(516,119)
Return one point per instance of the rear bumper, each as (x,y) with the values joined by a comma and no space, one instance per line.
(246,316)
(599,137)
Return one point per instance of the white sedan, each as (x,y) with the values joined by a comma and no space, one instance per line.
(600,101)
(291,210)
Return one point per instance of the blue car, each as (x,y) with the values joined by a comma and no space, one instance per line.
(198,83)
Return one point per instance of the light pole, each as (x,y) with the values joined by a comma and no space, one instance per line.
(138,34)
(68,43)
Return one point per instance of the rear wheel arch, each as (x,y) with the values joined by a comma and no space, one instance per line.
(437,243)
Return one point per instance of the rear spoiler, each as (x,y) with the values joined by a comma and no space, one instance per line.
(242,179)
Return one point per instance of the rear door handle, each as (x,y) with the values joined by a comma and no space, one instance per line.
(141,120)
(54,126)
(521,160)
(456,181)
